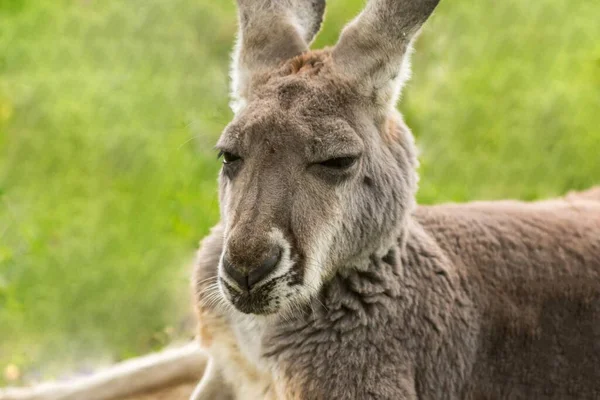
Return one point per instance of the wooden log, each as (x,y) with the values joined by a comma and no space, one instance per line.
(159,371)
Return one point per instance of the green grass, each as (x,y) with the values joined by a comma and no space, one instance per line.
(108,115)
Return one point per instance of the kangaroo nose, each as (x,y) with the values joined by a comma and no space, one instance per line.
(248,278)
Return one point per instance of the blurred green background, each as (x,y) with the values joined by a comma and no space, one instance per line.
(109,111)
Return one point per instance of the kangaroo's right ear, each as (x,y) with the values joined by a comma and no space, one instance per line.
(270,31)
(373,49)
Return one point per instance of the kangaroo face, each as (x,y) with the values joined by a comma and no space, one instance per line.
(318,169)
(312,180)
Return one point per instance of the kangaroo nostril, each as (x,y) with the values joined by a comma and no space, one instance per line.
(268,265)
(247,280)
(240,278)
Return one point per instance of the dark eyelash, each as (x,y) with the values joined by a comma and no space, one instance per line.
(339,162)
(228,157)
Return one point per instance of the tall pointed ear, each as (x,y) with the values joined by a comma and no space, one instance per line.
(270,31)
(374,49)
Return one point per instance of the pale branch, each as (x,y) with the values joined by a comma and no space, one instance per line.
(142,374)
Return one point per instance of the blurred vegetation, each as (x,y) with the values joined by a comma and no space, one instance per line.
(109,111)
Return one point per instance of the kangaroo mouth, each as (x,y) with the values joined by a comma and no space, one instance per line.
(279,289)
(257,301)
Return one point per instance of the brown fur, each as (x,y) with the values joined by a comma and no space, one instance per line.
(536,319)
(306,63)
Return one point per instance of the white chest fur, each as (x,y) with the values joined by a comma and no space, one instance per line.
(249,331)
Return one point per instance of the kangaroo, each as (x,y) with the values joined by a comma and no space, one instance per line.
(324,280)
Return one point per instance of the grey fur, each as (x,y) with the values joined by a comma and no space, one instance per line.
(374,298)
(374,49)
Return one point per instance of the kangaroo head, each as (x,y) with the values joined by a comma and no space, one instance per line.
(319,170)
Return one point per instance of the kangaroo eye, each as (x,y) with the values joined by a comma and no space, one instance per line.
(228,157)
(339,162)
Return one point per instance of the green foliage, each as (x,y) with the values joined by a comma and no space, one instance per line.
(108,115)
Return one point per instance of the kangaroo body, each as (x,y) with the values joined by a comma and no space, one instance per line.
(483,301)
(325,281)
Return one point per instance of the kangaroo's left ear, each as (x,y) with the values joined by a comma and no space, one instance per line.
(373,50)
(270,31)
